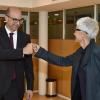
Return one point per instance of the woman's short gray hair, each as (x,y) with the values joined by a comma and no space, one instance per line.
(88,25)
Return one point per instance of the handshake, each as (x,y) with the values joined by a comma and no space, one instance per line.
(30,48)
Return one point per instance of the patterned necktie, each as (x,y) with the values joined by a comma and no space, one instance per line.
(12,46)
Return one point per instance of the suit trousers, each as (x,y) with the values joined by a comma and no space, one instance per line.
(12,93)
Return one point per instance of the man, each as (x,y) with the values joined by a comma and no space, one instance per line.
(15,58)
(85,61)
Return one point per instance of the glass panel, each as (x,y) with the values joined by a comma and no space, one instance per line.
(23,26)
(34,25)
(55,25)
(71,17)
(2,19)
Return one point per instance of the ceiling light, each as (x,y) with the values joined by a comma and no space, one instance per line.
(56,14)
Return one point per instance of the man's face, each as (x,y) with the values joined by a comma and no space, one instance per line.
(14,19)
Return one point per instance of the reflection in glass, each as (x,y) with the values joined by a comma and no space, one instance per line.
(34,25)
(73,15)
(2,23)
(55,25)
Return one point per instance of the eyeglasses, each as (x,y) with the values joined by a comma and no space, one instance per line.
(16,20)
(81,31)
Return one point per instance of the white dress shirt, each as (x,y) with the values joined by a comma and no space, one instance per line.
(14,36)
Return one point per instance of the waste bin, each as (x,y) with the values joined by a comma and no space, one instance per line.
(51,90)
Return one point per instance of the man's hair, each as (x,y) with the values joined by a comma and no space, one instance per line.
(7,11)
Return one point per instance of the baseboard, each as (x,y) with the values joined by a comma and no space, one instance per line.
(64,97)
(35,91)
(59,95)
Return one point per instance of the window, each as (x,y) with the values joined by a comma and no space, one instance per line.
(55,25)
(34,25)
(73,15)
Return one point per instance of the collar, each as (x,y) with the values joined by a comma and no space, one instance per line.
(8,31)
(92,41)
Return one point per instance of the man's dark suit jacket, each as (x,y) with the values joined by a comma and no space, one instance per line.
(90,63)
(13,58)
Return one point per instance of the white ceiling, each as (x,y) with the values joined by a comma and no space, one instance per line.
(37,3)
(66,5)
(49,5)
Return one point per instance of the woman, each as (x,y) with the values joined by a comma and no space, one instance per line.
(85,61)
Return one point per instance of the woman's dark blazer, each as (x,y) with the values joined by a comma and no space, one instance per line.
(90,63)
(14,59)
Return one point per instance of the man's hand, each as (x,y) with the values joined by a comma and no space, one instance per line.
(28,49)
(29,95)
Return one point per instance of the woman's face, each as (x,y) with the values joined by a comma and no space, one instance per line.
(78,36)
(82,38)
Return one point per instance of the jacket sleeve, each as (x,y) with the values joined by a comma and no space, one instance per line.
(11,54)
(54,59)
(29,73)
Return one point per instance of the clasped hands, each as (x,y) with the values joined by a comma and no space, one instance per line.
(31,48)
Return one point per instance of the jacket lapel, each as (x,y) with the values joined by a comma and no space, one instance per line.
(87,54)
(4,38)
(77,60)
(85,58)
(19,40)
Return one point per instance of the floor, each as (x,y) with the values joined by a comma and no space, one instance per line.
(38,97)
